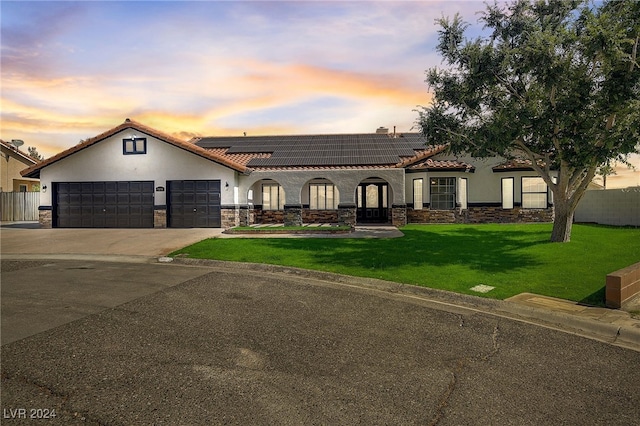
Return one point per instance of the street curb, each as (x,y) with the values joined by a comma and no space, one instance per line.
(119,258)
(618,334)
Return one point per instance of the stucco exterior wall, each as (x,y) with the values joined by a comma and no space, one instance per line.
(105,161)
(10,167)
(294,183)
(484,186)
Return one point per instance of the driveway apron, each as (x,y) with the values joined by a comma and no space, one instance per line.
(127,242)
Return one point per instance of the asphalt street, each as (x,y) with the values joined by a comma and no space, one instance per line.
(179,344)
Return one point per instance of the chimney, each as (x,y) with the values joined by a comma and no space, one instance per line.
(382,131)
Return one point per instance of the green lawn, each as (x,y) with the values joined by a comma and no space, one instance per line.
(512,258)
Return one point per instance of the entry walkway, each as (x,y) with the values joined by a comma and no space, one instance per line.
(360,231)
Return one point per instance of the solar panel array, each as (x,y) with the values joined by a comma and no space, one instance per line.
(321,150)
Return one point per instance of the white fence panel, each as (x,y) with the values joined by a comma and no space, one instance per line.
(19,206)
(620,207)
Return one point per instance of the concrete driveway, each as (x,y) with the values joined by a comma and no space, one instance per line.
(18,239)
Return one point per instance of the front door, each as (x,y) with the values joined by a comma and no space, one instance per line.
(372,203)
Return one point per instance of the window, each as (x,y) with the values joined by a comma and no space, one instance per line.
(323,196)
(534,193)
(507,193)
(417,194)
(272,197)
(443,193)
(134,146)
(23,188)
(462,193)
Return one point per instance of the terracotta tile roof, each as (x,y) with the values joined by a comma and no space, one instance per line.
(34,171)
(239,158)
(514,165)
(421,155)
(298,168)
(434,165)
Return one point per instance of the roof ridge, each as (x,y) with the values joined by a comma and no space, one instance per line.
(435,149)
(128,123)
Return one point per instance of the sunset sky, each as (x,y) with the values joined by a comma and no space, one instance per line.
(71,70)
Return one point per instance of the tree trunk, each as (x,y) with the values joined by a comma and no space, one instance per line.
(562,222)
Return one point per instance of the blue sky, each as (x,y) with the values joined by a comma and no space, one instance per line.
(71,70)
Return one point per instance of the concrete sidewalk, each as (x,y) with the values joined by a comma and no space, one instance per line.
(615,325)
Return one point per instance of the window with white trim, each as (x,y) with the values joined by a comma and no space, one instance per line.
(534,193)
(417,194)
(443,193)
(507,193)
(323,196)
(272,197)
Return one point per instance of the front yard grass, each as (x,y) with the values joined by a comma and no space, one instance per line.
(513,258)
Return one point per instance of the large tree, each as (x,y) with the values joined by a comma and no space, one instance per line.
(554,82)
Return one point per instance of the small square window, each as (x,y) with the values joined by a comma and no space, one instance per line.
(134,146)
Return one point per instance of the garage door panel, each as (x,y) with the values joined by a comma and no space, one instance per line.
(104,204)
(201,198)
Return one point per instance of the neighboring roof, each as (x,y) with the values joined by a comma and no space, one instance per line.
(19,154)
(34,171)
(319,151)
(438,165)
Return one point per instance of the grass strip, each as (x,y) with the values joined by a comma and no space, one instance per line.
(513,258)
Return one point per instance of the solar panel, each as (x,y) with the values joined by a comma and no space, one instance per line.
(321,150)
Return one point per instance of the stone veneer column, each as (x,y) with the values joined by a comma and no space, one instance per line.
(347,214)
(45,217)
(399,214)
(243,216)
(229,216)
(159,217)
(293,215)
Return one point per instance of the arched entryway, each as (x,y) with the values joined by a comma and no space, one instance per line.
(372,201)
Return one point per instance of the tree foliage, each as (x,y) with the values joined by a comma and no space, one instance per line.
(33,153)
(555,82)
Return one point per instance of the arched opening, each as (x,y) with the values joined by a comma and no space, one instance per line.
(320,198)
(266,199)
(372,201)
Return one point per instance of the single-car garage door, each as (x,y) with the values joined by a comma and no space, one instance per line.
(193,204)
(103,204)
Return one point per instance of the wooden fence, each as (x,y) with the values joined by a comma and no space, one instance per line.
(18,206)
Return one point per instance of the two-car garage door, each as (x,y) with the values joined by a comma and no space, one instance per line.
(130,204)
(103,204)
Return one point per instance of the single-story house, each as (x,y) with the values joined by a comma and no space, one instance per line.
(135,176)
(12,162)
